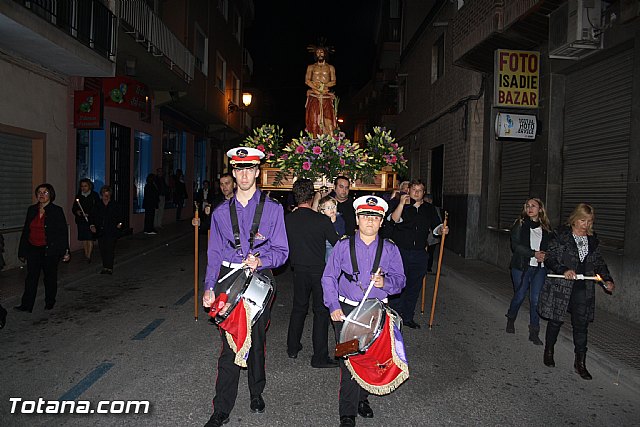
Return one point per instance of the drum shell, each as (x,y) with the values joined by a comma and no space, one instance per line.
(256,289)
(371,308)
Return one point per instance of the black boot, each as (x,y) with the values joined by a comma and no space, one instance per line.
(533,334)
(511,327)
(548,357)
(580,367)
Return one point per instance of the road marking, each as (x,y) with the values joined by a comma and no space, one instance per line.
(186,297)
(147,330)
(87,382)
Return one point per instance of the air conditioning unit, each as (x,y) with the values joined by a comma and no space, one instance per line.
(575,29)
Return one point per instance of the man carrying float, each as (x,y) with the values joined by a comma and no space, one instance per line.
(361,272)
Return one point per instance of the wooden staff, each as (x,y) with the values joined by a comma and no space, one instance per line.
(424,291)
(196,224)
(435,288)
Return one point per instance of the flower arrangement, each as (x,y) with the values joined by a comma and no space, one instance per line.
(325,155)
(268,139)
(383,151)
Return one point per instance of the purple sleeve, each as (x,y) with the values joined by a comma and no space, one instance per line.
(214,255)
(330,276)
(394,279)
(278,250)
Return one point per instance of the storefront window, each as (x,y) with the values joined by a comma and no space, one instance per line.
(174,157)
(90,157)
(141,166)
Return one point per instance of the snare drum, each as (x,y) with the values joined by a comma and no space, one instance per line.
(256,289)
(370,321)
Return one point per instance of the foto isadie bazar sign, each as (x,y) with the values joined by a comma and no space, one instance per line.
(517,78)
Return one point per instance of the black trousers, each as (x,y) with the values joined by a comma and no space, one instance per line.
(229,373)
(149,216)
(107,246)
(350,391)
(37,261)
(306,282)
(579,319)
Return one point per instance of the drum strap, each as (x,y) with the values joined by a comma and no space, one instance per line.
(254,226)
(354,261)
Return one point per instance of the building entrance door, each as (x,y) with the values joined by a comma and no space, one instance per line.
(120,170)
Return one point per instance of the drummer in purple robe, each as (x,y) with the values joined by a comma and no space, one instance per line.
(344,287)
(232,243)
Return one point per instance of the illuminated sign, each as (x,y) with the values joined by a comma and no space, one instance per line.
(520,126)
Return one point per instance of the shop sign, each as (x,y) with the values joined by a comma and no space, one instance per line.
(519,126)
(87,109)
(517,78)
(125,92)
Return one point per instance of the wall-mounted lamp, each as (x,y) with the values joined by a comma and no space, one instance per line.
(246,100)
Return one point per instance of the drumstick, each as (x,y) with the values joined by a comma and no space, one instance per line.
(242,265)
(364,325)
(366,294)
(82,210)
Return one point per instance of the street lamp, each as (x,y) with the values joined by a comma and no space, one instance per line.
(246,100)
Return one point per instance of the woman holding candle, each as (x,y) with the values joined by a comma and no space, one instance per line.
(575,251)
(530,236)
(85,202)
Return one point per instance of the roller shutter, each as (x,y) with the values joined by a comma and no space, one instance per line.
(16,190)
(514,180)
(597,134)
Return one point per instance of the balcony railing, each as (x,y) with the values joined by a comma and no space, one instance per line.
(147,27)
(88,21)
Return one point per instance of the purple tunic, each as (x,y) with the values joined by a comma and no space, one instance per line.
(270,240)
(334,285)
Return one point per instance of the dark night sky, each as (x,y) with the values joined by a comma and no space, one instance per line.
(278,38)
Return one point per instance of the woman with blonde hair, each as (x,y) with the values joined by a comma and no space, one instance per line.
(574,253)
(530,237)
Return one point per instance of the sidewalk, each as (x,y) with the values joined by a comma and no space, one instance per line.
(127,249)
(613,342)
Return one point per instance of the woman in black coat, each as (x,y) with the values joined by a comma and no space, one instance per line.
(106,222)
(530,236)
(575,251)
(85,202)
(150,203)
(43,243)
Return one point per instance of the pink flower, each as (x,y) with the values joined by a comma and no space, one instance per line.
(341,162)
(284,156)
(299,149)
(260,147)
(393,159)
(306,166)
(395,146)
(341,148)
(317,150)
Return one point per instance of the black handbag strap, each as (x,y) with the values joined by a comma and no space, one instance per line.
(354,262)
(257,216)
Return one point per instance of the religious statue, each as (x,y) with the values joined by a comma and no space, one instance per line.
(320,77)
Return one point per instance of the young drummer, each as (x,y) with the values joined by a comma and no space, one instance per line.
(343,289)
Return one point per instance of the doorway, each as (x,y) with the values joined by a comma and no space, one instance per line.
(120,169)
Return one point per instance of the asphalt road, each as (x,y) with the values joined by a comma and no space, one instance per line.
(133,336)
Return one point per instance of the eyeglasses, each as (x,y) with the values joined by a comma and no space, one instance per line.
(328,208)
(43,193)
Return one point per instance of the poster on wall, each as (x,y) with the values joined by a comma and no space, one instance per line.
(516,126)
(87,109)
(517,78)
(125,92)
